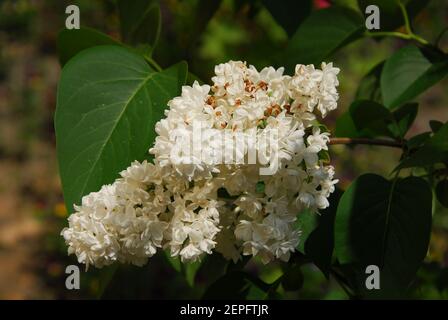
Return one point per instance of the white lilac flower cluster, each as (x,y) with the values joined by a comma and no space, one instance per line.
(191,204)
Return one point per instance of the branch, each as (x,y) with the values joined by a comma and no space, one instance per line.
(409,35)
(368,141)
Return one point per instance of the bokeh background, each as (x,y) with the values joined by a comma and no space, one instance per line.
(32,254)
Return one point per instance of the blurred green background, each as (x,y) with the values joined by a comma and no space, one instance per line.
(32,254)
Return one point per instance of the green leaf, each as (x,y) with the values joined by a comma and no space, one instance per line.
(418,140)
(191,78)
(369,87)
(259,187)
(320,35)
(292,279)
(390,14)
(435,125)
(442,192)
(140,21)
(368,119)
(345,126)
(371,118)
(307,221)
(320,243)
(236,285)
(71,42)
(108,102)
(191,268)
(281,11)
(379,222)
(434,150)
(213,267)
(204,12)
(404,117)
(173,261)
(408,73)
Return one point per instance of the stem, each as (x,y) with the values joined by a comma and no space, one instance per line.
(397,35)
(409,35)
(368,141)
(153,64)
(407,24)
(419,39)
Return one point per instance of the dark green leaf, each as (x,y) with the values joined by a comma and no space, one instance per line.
(281,11)
(132,282)
(188,270)
(259,187)
(418,140)
(71,42)
(442,192)
(292,279)
(324,155)
(371,118)
(369,87)
(173,261)
(367,119)
(404,118)
(307,221)
(345,126)
(319,244)
(213,267)
(205,10)
(433,151)
(140,21)
(109,100)
(321,34)
(236,285)
(387,224)
(191,78)
(239,265)
(408,73)
(191,268)
(435,125)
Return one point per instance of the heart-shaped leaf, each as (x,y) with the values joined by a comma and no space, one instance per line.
(434,150)
(404,117)
(140,22)
(369,87)
(384,223)
(320,243)
(71,42)
(408,73)
(371,118)
(281,11)
(109,100)
(321,34)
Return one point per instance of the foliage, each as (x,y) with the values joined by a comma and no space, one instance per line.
(377,220)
